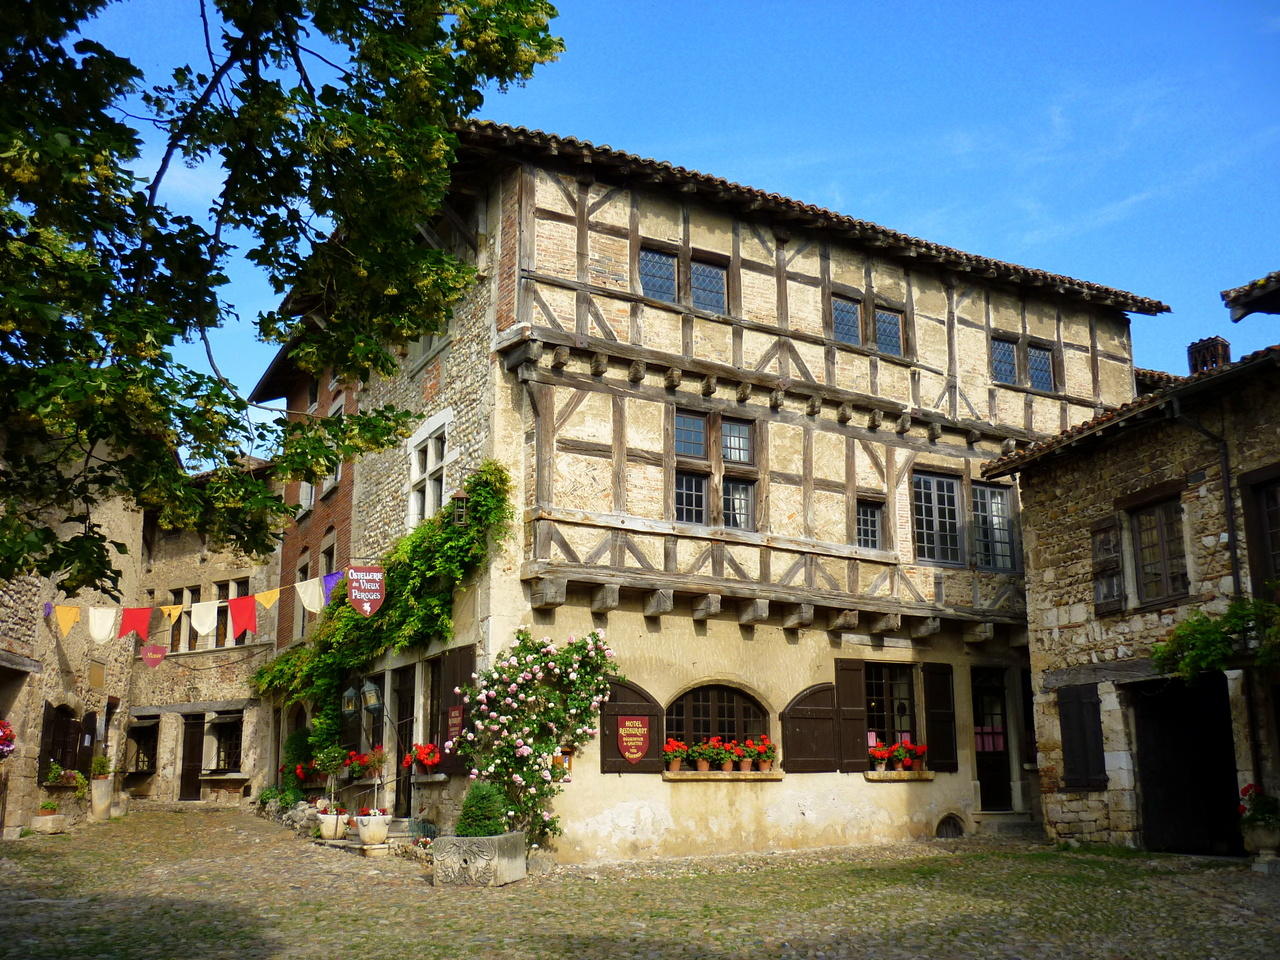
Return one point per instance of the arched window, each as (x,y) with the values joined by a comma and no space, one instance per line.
(715,711)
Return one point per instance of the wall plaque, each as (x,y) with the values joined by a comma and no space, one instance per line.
(633,738)
(454,723)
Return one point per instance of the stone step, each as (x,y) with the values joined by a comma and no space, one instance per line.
(1009,825)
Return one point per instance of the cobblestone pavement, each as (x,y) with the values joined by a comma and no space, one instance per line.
(208,885)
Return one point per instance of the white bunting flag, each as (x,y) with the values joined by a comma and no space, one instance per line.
(204,617)
(101,622)
(311,593)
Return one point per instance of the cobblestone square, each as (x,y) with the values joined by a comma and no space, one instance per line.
(212,884)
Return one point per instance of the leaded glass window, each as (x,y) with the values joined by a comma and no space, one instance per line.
(846,320)
(735,441)
(714,711)
(658,274)
(1159,557)
(706,281)
(935,503)
(1108,578)
(691,498)
(1040,368)
(992,528)
(691,434)
(1004,361)
(889,332)
(737,503)
(869,516)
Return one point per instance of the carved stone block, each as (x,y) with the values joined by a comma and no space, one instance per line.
(479,861)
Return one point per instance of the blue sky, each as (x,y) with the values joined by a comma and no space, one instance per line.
(1134,144)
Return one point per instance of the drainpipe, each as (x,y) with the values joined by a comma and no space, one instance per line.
(1229,508)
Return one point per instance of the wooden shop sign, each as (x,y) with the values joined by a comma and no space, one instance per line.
(633,738)
(366,588)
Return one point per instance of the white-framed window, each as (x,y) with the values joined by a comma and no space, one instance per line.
(300,614)
(330,481)
(429,455)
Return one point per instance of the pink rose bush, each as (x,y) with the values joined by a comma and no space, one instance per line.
(535,702)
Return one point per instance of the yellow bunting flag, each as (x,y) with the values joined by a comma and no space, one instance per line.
(171,611)
(268,598)
(67,618)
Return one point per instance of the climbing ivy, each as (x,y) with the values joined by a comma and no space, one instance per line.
(423,568)
(1248,632)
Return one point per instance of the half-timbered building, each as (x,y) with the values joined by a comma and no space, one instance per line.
(747,437)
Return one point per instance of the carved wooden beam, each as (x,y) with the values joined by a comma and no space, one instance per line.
(635,372)
(658,602)
(599,364)
(753,611)
(844,413)
(528,352)
(884,622)
(744,392)
(814,406)
(935,431)
(775,399)
(874,419)
(709,385)
(560,357)
(672,379)
(604,598)
(979,632)
(924,627)
(801,615)
(903,424)
(706,607)
(842,619)
(546,593)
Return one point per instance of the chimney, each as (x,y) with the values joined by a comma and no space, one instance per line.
(1208,354)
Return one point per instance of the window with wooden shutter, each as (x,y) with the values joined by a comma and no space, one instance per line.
(1108,578)
(456,667)
(851,715)
(628,700)
(940,718)
(85,739)
(809,731)
(1080,718)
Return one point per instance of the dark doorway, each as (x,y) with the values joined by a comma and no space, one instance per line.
(402,686)
(991,738)
(1186,765)
(192,756)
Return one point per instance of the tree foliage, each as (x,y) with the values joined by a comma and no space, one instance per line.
(1247,633)
(330,124)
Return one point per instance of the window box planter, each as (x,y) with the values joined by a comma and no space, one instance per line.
(480,861)
(897,776)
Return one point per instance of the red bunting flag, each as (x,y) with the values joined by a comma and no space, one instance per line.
(244,614)
(135,620)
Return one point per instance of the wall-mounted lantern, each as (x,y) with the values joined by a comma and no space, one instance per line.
(371,696)
(459,500)
(350,702)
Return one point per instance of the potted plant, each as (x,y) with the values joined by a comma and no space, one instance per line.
(333,819)
(48,808)
(674,751)
(423,756)
(483,850)
(718,754)
(372,824)
(102,786)
(917,754)
(59,777)
(743,755)
(8,742)
(700,757)
(362,765)
(763,750)
(1259,822)
(880,755)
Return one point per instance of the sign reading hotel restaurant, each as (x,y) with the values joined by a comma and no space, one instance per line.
(366,587)
(454,724)
(633,738)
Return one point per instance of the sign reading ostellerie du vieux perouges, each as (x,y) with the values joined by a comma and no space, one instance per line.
(366,588)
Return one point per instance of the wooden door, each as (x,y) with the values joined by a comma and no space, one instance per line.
(991,738)
(192,756)
(402,688)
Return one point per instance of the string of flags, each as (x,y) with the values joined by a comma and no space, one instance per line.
(104,623)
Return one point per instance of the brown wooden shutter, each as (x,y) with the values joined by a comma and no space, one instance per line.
(851,715)
(456,667)
(628,700)
(1080,717)
(809,731)
(940,718)
(47,729)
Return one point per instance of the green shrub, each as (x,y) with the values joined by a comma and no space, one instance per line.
(100,766)
(482,811)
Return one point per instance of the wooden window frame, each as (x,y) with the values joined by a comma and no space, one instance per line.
(857,305)
(1170,591)
(1262,566)
(221,729)
(684,259)
(1107,565)
(917,519)
(738,698)
(713,466)
(428,461)
(873,324)
(1006,492)
(873,670)
(1012,343)
(878,506)
(1022,347)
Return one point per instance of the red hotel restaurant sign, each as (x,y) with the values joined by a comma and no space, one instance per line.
(366,587)
(633,738)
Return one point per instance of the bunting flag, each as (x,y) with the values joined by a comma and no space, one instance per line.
(171,611)
(268,598)
(153,653)
(204,617)
(101,620)
(331,581)
(311,594)
(67,618)
(135,620)
(244,614)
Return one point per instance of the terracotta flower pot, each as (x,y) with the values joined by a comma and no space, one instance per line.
(674,764)
(726,766)
(744,766)
(702,766)
(765,765)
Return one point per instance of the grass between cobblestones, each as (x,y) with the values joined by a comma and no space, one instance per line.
(210,885)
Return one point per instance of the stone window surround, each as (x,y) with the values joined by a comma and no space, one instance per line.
(441,421)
